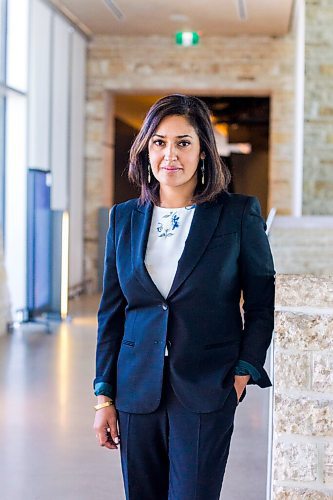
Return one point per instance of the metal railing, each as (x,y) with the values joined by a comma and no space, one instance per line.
(270,220)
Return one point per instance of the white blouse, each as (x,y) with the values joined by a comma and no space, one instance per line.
(168,232)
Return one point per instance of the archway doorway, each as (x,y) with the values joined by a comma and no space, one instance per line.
(242,127)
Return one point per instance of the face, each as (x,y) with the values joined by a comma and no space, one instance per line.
(174,153)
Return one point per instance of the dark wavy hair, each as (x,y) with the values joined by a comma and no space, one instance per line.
(217,176)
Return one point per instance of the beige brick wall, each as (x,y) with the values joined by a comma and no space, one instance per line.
(303,245)
(220,66)
(303,389)
(318,126)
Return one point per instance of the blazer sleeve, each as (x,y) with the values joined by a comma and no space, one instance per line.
(258,286)
(111,316)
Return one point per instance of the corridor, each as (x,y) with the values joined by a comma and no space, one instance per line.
(48,447)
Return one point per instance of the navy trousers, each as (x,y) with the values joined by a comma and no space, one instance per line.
(173,453)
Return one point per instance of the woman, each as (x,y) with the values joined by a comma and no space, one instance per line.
(173,355)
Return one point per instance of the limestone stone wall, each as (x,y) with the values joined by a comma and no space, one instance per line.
(303,389)
(303,245)
(218,66)
(318,125)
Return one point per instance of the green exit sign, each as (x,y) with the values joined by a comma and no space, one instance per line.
(187,38)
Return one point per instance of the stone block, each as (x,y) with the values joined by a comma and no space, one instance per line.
(323,188)
(95,109)
(303,416)
(295,462)
(311,291)
(326,69)
(326,111)
(291,370)
(322,377)
(328,464)
(288,493)
(303,331)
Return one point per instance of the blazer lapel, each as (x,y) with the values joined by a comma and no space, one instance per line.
(205,219)
(140,226)
(204,222)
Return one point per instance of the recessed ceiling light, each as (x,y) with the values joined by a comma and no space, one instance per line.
(179,18)
(242,10)
(114,9)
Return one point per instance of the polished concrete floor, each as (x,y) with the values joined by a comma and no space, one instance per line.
(48,449)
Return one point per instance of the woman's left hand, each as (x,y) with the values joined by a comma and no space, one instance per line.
(240,384)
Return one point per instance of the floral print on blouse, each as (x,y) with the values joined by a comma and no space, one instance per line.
(169,222)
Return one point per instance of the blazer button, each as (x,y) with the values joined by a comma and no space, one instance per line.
(164,307)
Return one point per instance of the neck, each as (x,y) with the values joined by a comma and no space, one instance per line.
(173,198)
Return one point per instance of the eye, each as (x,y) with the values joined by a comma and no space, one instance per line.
(184,143)
(158,142)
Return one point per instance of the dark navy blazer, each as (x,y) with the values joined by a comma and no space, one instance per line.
(226,252)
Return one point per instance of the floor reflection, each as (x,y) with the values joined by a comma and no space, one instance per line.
(48,447)
(63,360)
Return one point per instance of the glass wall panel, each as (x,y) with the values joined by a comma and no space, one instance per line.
(39,85)
(2,39)
(2,161)
(16,190)
(17,44)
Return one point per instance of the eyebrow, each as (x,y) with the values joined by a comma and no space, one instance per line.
(178,136)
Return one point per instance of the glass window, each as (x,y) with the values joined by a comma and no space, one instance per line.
(2,39)
(2,161)
(14,20)
(15,216)
(17,44)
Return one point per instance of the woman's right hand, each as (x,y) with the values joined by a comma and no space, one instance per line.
(106,427)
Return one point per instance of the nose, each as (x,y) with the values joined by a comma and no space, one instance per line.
(170,154)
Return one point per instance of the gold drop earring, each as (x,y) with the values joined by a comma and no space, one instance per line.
(149,174)
(203,171)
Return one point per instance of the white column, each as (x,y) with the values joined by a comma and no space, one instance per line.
(39,86)
(60,113)
(299,31)
(76,163)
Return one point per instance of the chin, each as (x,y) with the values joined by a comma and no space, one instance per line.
(171,183)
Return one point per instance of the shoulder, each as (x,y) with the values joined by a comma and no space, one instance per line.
(238,203)
(124,208)
(127,206)
(236,199)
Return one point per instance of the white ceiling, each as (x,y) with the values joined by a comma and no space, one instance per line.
(166,17)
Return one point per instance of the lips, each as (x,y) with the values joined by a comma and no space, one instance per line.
(171,169)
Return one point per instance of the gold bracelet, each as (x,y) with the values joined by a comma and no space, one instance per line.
(103,405)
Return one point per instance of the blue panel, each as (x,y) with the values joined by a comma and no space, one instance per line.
(39,246)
